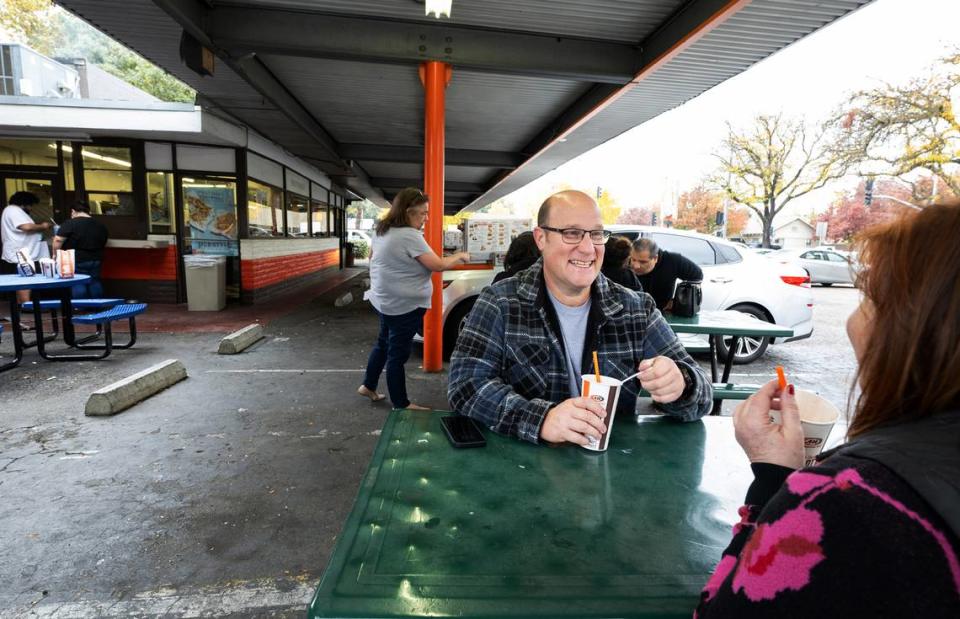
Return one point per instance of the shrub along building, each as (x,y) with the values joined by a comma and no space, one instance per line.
(169,180)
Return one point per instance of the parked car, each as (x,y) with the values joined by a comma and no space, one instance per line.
(825,267)
(734,278)
(359,235)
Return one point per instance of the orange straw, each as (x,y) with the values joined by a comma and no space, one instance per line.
(596,366)
(781,378)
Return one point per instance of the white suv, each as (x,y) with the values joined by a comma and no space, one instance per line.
(733,278)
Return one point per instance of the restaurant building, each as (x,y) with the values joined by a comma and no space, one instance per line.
(170,180)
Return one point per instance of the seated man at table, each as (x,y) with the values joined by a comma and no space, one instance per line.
(658,271)
(517,364)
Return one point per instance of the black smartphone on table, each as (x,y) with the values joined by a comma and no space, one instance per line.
(462,431)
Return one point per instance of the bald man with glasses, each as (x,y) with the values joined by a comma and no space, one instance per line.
(528,339)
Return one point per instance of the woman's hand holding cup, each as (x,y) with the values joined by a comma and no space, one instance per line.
(763,439)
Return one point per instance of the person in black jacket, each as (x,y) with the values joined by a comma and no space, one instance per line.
(87,237)
(521,254)
(659,271)
(616,257)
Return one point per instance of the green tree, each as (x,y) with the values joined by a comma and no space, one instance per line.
(55,32)
(31,21)
(363,209)
(767,167)
(895,130)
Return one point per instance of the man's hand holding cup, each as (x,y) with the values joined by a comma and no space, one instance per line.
(577,420)
(662,379)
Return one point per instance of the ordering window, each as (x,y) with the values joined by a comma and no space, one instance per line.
(264,210)
(108,179)
(28,153)
(318,214)
(160,195)
(298,216)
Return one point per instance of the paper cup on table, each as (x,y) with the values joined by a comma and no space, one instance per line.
(606,392)
(817,418)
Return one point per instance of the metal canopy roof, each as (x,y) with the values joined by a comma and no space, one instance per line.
(535,83)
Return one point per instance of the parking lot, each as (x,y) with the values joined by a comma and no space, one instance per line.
(223,495)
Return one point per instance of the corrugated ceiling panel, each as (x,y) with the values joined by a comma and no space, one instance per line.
(726,51)
(383,103)
(611,20)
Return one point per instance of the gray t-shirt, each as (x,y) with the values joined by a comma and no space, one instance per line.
(399,284)
(573,327)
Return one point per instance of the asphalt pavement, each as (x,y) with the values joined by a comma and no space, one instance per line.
(223,495)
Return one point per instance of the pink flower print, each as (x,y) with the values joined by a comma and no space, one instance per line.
(720,574)
(780,555)
(802,482)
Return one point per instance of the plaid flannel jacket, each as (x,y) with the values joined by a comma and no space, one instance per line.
(509,369)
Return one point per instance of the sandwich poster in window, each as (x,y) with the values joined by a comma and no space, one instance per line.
(212,216)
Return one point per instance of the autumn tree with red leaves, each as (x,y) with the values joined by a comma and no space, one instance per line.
(697,210)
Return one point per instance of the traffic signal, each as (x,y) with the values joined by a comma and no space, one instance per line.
(719,218)
(868,192)
(653,219)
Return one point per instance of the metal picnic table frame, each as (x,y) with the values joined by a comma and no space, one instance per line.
(720,324)
(9,284)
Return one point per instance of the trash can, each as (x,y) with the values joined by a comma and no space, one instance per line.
(348,254)
(206,282)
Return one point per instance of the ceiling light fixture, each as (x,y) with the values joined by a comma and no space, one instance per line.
(439,8)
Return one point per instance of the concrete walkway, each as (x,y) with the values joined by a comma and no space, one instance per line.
(221,496)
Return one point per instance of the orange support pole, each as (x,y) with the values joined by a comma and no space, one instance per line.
(435,76)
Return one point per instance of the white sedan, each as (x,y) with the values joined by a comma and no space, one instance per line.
(825,267)
(734,278)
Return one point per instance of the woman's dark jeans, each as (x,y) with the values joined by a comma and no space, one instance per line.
(392,350)
(92,288)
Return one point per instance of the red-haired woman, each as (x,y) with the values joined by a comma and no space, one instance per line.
(872,530)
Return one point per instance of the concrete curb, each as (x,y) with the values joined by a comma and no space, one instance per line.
(123,394)
(239,340)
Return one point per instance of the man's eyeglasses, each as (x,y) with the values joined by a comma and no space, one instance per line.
(575,235)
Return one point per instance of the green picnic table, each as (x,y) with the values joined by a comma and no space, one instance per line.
(718,325)
(520,530)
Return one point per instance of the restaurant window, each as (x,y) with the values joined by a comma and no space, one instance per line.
(298,216)
(28,153)
(210,215)
(160,197)
(264,210)
(108,179)
(318,214)
(68,181)
(337,221)
(6,72)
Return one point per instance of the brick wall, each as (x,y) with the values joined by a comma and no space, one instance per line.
(143,274)
(264,272)
(268,277)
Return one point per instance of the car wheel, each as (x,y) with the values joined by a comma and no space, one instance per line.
(454,325)
(826,284)
(749,349)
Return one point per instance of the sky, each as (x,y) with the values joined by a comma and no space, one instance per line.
(885,41)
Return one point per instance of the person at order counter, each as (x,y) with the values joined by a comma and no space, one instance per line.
(401,264)
(521,254)
(517,364)
(873,528)
(19,231)
(87,237)
(659,270)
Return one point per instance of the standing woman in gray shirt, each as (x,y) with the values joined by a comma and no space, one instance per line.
(400,290)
